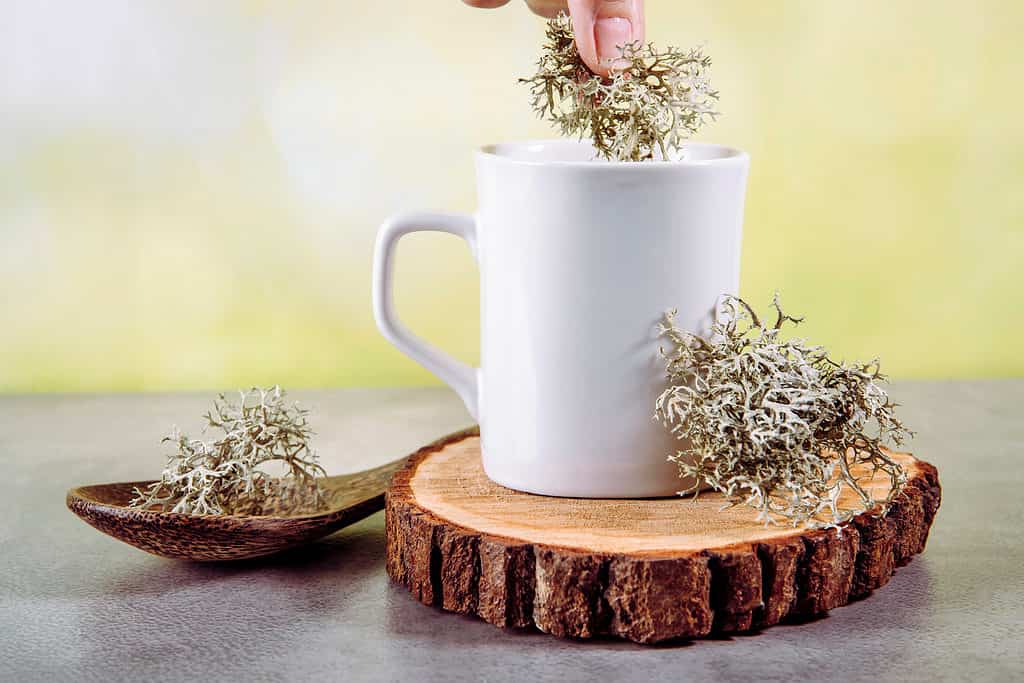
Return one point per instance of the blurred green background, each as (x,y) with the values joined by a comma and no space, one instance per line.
(189,190)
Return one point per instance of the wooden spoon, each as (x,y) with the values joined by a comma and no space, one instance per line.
(350,498)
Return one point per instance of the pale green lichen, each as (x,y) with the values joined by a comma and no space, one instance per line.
(652,102)
(232,474)
(777,424)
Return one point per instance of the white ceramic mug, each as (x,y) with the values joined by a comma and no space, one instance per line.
(578,260)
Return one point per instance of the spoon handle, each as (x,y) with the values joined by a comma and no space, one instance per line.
(368,483)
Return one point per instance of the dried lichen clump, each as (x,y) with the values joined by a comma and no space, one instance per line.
(649,106)
(230,475)
(777,425)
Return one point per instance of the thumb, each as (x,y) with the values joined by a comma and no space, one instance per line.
(602,27)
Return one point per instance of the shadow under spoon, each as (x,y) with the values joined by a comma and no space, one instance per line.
(349,497)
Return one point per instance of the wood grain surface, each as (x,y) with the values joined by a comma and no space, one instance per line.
(643,570)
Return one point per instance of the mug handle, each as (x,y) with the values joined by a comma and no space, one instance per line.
(459,376)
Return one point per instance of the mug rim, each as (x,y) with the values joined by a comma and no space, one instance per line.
(727,155)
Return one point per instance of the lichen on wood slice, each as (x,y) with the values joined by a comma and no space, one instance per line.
(777,424)
(653,101)
(233,474)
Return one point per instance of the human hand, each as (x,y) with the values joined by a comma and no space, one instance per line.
(601,26)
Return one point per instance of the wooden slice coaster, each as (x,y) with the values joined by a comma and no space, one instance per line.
(643,570)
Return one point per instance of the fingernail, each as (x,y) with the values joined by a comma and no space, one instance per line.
(611,34)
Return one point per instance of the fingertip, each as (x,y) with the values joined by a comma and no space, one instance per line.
(603,27)
(583,16)
(639,22)
(611,35)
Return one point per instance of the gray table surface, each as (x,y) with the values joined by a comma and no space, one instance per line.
(77,605)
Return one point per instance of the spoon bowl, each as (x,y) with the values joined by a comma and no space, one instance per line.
(349,497)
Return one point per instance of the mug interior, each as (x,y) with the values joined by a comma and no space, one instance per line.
(582,152)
